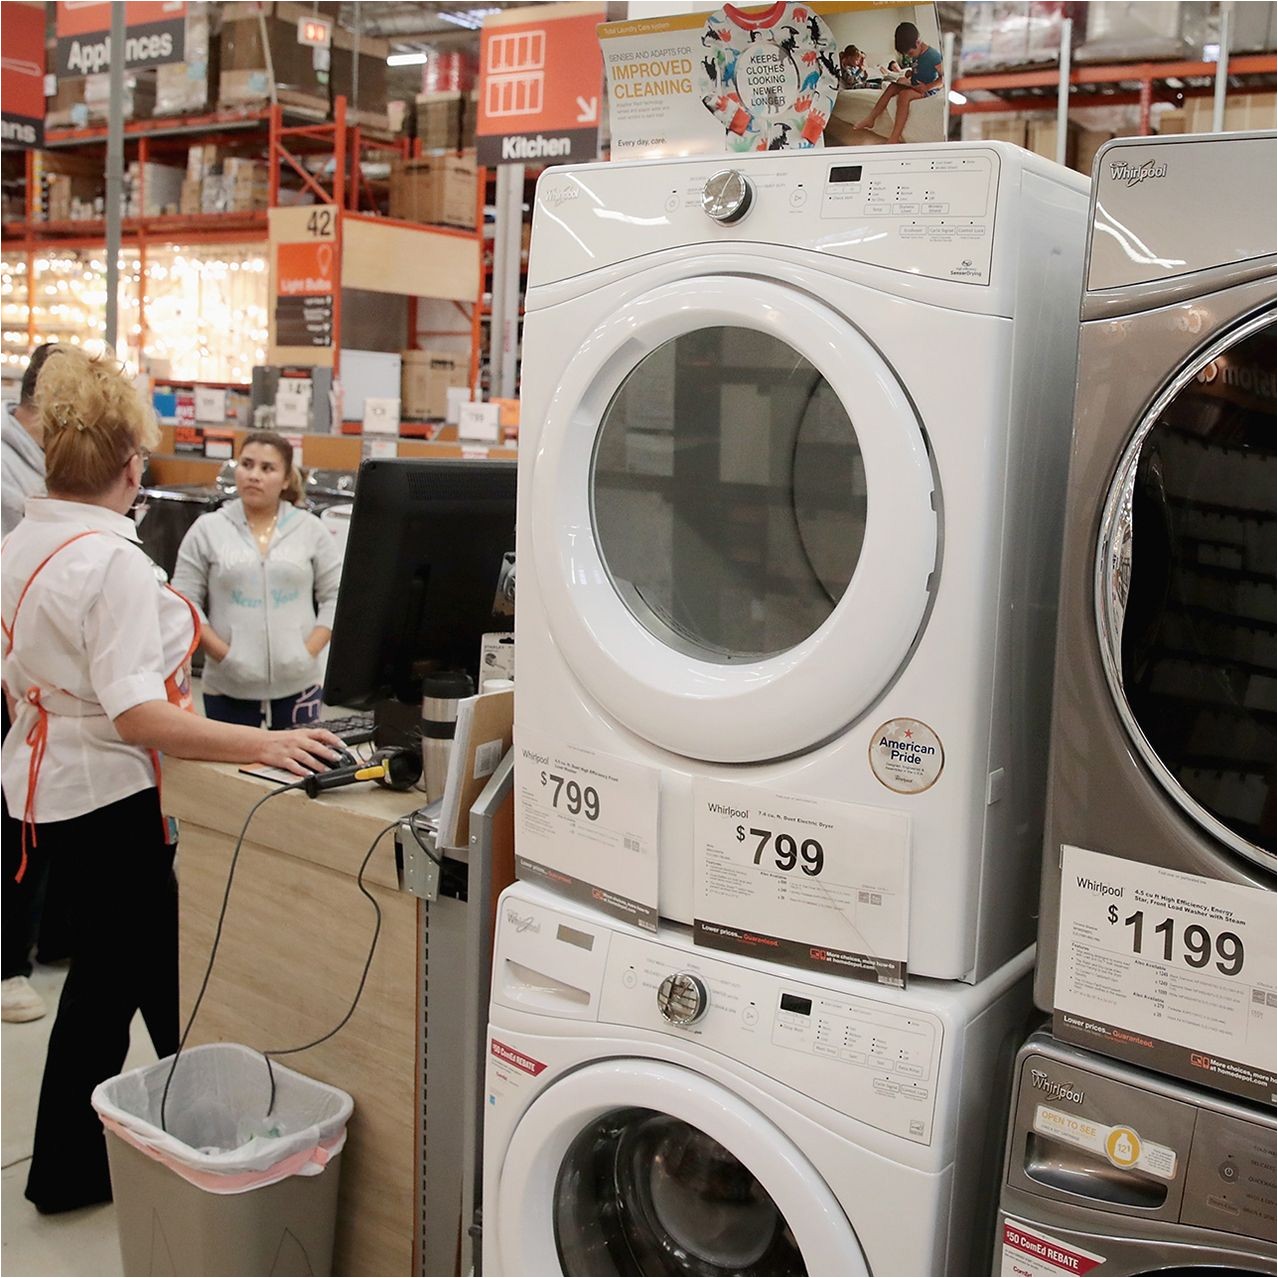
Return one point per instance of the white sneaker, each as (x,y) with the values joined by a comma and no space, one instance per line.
(19,1001)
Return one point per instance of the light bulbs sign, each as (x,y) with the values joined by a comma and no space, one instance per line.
(155,34)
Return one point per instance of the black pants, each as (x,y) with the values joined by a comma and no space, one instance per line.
(37,903)
(123,899)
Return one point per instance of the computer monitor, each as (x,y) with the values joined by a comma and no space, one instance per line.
(425,576)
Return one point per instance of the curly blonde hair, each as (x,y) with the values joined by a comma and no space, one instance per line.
(93,419)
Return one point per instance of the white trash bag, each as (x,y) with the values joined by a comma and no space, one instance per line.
(220,1137)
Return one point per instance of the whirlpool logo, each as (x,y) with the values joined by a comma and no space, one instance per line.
(522,922)
(561,193)
(1134,174)
(1056,1091)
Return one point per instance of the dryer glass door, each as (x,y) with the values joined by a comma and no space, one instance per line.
(1185,589)
(642,1167)
(734,519)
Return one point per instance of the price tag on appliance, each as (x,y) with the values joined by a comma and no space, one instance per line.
(799,881)
(586,826)
(1169,970)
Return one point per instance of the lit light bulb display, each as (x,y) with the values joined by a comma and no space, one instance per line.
(204,309)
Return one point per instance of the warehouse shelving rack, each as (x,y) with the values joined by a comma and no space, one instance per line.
(288,138)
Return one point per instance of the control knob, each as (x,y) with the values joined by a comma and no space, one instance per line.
(727,196)
(682,999)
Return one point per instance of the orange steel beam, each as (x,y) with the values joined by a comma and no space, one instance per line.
(1117,73)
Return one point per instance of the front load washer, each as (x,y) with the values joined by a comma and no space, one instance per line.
(1113,1170)
(792,465)
(1163,721)
(653,1108)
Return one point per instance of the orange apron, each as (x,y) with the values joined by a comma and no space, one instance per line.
(177,691)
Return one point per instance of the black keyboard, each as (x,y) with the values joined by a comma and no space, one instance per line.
(354,729)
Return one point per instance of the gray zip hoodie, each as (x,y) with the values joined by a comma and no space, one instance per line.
(264,607)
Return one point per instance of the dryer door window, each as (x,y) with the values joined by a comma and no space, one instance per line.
(728,491)
(734,519)
(1186,589)
(636,1166)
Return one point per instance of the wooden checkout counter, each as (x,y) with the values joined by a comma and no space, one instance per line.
(294,943)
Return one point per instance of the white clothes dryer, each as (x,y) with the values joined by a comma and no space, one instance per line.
(656,1109)
(792,466)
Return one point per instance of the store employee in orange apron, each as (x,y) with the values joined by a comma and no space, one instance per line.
(95,661)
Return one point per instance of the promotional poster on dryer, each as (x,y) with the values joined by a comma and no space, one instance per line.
(1168,970)
(586,826)
(774,77)
(811,883)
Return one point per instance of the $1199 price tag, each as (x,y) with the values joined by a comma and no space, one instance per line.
(1169,970)
(586,826)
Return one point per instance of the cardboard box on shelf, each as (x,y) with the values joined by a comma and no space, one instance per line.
(139,95)
(1089,141)
(1152,29)
(1172,122)
(66,109)
(191,198)
(190,87)
(438,189)
(244,81)
(159,185)
(1003,35)
(426,377)
(441,121)
(1012,129)
(1243,112)
(1040,137)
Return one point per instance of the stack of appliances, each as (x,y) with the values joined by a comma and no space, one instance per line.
(1156,937)
(790,503)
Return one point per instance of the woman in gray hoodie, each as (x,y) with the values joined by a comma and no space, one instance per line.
(265,574)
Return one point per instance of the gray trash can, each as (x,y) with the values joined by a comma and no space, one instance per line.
(228,1189)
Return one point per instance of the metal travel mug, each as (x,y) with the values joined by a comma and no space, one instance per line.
(440,695)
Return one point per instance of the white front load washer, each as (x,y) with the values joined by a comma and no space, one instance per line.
(792,466)
(653,1108)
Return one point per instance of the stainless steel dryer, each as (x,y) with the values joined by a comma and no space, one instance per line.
(1113,1170)
(1163,721)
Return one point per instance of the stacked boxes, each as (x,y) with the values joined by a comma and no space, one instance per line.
(217,184)
(438,189)
(245,82)
(244,185)
(446,121)
(425,377)
(151,189)
(1012,35)
(139,96)
(188,88)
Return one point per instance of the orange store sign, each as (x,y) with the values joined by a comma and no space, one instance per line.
(155,34)
(540,85)
(305,269)
(22,78)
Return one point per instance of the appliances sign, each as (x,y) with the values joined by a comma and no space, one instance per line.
(155,34)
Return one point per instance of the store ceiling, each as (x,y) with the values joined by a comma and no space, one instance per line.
(417,24)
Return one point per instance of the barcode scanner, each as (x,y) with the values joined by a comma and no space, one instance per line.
(394,768)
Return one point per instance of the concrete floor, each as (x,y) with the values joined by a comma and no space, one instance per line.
(76,1242)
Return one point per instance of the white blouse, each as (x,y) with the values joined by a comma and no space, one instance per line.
(97,634)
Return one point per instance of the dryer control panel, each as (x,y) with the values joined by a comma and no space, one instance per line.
(869,1058)
(925,211)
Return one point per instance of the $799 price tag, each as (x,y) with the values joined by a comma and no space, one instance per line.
(577,800)
(786,852)
(1197,948)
